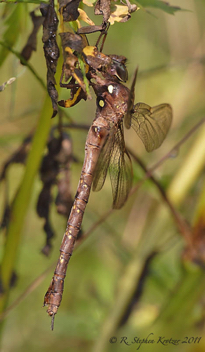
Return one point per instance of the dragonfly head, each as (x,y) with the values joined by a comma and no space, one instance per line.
(118,68)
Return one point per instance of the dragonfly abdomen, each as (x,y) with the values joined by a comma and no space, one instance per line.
(95,140)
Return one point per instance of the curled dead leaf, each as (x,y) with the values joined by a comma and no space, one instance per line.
(84,17)
(121,13)
(5,84)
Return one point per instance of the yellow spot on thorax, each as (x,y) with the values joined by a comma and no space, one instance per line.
(101,103)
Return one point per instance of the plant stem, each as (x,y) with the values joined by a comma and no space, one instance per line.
(21,202)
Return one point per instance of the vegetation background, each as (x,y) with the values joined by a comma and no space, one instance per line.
(106,269)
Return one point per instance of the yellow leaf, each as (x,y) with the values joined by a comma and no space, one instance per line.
(120,14)
(89,2)
(84,17)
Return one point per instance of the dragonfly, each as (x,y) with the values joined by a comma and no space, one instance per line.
(105,152)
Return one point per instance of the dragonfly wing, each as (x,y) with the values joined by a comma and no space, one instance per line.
(152,123)
(128,115)
(103,162)
(120,169)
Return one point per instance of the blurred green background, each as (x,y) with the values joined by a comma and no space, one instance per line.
(106,269)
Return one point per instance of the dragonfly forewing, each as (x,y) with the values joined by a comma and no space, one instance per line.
(120,170)
(115,158)
(103,162)
(152,123)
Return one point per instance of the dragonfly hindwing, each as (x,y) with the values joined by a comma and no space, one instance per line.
(152,123)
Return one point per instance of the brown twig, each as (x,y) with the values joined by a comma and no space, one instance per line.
(181,223)
(176,148)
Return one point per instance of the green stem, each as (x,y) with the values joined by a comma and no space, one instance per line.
(189,171)
(21,202)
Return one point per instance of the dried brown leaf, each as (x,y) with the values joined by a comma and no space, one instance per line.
(102,7)
(51,50)
(69,9)
(32,39)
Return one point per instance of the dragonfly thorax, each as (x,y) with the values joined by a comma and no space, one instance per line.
(112,100)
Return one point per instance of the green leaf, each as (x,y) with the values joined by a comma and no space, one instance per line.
(12,31)
(159,4)
(82,68)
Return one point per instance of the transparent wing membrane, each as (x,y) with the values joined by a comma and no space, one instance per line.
(152,123)
(103,163)
(120,170)
(115,158)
